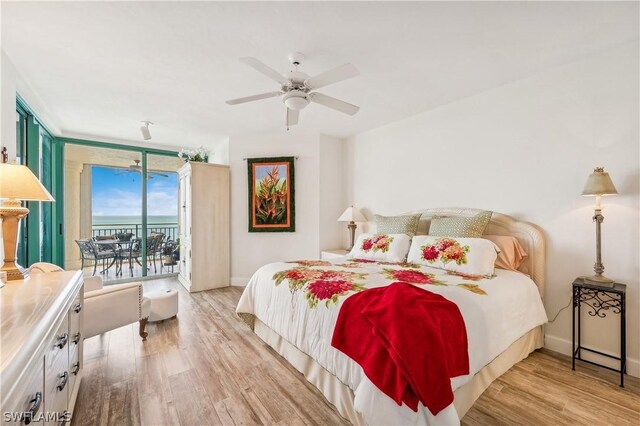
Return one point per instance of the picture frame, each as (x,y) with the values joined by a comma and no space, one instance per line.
(271,194)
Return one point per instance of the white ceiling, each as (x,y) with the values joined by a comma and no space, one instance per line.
(102,67)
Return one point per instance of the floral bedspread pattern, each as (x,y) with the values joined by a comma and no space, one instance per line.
(321,281)
(300,301)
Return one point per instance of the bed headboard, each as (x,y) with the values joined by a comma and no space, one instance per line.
(529,235)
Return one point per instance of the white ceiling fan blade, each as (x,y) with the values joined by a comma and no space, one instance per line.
(333,76)
(151,174)
(265,69)
(334,103)
(253,98)
(292,117)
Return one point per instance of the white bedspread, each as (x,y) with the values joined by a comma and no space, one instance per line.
(496,311)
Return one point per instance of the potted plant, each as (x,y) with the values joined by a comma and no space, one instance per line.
(200,155)
(168,253)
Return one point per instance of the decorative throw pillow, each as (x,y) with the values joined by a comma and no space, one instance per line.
(458,226)
(398,224)
(383,247)
(472,256)
(511,251)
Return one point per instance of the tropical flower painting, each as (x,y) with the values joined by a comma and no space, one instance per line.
(271,194)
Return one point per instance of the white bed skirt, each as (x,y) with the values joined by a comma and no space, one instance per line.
(342,397)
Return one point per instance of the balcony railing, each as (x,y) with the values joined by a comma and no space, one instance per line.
(170,230)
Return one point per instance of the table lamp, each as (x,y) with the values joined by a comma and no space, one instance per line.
(598,184)
(16,183)
(352,215)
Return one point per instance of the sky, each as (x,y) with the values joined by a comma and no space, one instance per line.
(120,194)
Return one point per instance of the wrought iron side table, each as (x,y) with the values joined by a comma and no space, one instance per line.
(599,299)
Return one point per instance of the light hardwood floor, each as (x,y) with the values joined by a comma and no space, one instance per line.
(207,367)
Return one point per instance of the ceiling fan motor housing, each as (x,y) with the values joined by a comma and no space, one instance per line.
(295,100)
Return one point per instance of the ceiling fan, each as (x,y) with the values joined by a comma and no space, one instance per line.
(297,88)
(137,168)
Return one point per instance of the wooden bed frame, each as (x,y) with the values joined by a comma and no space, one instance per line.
(342,397)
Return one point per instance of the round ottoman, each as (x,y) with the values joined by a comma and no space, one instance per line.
(164,304)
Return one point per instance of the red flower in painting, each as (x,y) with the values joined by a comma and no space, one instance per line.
(430,253)
(324,289)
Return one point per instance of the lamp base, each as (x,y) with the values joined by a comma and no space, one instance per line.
(11,212)
(600,280)
(15,272)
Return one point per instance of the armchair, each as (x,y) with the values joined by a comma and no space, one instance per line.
(110,307)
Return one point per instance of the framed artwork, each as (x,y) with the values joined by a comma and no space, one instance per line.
(271,194)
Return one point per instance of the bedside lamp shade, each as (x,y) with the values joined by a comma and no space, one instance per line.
(352,214)
(19,183)
(16,183)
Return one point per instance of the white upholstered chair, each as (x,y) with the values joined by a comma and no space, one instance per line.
(110,307)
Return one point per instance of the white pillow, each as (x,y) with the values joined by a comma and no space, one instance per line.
(472,256)
(383,247)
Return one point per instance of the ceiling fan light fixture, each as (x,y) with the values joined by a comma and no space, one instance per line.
(146,134)
(296,100)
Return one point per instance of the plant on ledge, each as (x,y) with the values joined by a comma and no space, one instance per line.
(200,155)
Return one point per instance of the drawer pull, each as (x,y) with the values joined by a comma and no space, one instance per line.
(76,338)
(35,406)
(77,308)
(65,378)
(76,368)
(62,340)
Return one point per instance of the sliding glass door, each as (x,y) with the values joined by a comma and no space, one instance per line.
(120,210)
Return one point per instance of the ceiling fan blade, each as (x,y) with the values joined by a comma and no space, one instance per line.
(292,117)
(253,98)
(334,103)
(265,69)
(333,76)
(151,174)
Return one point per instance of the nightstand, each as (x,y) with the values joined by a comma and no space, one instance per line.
(333,254)
(599,299)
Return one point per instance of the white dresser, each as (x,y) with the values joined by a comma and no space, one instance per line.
(41,348)
(204,226)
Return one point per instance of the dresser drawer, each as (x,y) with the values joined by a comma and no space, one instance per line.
(75,314)
(57,375)
(56,385)
(74,367)
(27,403)
(58,345)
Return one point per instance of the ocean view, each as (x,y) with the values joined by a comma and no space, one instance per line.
(102,221)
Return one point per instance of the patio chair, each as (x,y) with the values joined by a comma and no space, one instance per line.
(89,253)
(123,236)
(154,245)
(133,253)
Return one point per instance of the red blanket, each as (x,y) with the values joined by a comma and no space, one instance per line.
(408,341)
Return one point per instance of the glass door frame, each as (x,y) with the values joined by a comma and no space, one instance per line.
(58,168)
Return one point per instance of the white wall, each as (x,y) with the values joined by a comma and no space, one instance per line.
(526,149)
(8,105)
(315,152)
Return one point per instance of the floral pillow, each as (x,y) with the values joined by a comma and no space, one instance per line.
(385,247)
(472,256)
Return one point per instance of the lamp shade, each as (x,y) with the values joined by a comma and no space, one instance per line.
(599,183)
(352,214)
(19,183)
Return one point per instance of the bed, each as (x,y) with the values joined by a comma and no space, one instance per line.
(504,317)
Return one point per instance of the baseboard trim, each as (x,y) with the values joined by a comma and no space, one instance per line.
(239,281)
(563,346)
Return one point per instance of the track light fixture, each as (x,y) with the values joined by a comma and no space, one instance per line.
(146,134)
